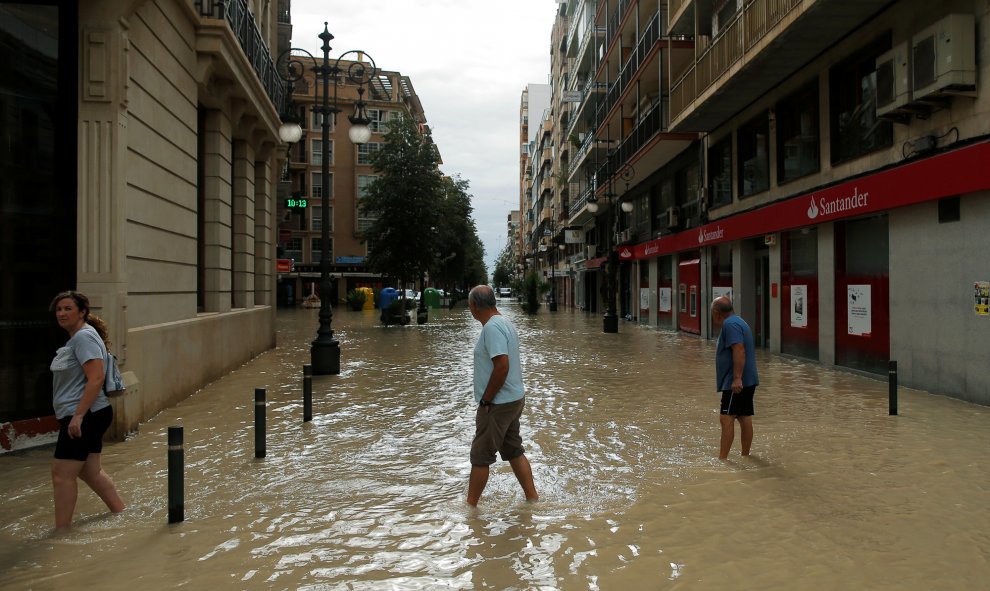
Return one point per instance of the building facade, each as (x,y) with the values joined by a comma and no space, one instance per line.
(819,161)
(305,195)
(140,168)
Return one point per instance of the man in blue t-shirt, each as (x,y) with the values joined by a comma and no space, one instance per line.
(735,375)
(499,392)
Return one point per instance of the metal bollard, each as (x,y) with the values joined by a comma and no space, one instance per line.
(307,370)
(259,422)
(307,398)
(892,389)
(176,481)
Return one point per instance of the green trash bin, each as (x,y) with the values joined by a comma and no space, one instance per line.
(432,297)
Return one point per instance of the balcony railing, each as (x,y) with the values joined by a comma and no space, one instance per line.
(650,35)
(757,19)
(242,23)
(649,126)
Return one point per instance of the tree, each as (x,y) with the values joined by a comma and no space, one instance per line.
(505,268)
(460,258)
(405,203)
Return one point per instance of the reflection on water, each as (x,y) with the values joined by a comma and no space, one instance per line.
(622,435)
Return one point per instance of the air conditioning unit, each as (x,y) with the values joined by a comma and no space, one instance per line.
(893,81)
(943,58)
(625,236)
(672,217)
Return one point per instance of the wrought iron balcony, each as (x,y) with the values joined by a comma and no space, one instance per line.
(242,23)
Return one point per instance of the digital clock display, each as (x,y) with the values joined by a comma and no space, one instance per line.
(296,203)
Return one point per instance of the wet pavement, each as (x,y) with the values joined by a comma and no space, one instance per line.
(622,433)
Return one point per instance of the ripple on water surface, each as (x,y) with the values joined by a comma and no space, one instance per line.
(621,431)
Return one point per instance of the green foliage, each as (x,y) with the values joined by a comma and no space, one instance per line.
(423,221)
(533,288)
(505,268)
(356,299)
(405,203)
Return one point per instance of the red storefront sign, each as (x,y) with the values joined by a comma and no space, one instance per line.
(283,265)
(953,173)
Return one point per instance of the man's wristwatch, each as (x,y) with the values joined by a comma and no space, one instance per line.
(485,402)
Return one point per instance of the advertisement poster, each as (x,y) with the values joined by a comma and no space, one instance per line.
(644,298)
(799,306)
(859,300)
(982,289)
(718,292)
(664,298)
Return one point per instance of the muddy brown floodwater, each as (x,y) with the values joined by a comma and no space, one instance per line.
(622,434)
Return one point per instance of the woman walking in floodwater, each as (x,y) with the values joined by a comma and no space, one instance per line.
(81,406)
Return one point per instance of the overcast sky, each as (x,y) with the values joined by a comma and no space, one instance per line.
(469,61)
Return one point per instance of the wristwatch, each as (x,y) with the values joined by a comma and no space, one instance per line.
(485,402)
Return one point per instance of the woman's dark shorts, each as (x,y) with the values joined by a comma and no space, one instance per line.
(738,405)
(94,425)
(497,430)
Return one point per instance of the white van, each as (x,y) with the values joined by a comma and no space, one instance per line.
(505,292)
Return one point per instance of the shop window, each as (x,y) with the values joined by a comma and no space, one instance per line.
(753,152)
(855,128)
(797,134)
(799,298)
(682,296)
(720,172)
(694,301)
(862,300)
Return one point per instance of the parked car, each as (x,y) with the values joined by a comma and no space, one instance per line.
(412,294)
(505,292)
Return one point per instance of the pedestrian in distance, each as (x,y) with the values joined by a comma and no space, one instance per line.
(735,375)
(81,407)
(500,394)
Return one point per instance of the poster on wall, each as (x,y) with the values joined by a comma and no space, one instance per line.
(644,298)
(859,300)
(799,306)
(663,296)
(718,292)
(982,289)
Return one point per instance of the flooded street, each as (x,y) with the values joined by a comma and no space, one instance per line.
(622,434)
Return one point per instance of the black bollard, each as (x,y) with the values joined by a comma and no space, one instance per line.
(307,393)
(176,481)
(307,398)
(259,422)
(892,388)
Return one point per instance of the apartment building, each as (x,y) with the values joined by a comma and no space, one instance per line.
(306,199)
(534,103)
(139,167)
(821,161)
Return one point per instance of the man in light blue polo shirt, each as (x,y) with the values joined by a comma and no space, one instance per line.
(735,375)
(499,391)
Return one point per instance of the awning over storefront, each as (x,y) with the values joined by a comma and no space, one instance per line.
(958,172)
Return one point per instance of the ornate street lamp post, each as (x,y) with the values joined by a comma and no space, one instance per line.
(610,321)
(325,349)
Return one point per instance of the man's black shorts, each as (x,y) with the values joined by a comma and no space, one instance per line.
(738,405)
(94,425)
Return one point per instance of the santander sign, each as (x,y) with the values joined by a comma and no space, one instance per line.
(835,205)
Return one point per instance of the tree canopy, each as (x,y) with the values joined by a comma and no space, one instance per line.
(421,219)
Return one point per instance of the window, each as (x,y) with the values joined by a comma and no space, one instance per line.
(694,301)
(378,120)
(364,181)
(797,134)
(316,249)
(855,128)
(366,151)
(754,149)
(316,218)
(318,120)
(316,152)
(682,296)
(317,185)
(293,249)
(720,172)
